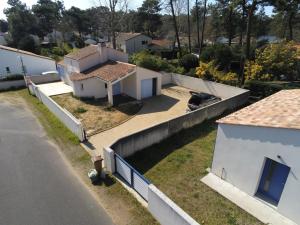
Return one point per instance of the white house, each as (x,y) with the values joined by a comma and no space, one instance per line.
(258,151)
(132,42)
(15,61)
(100,72)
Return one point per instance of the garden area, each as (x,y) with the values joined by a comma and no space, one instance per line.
(176,166)
(97,115)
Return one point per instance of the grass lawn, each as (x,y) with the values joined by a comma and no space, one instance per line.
(97,115)
(176,166)
(120,204)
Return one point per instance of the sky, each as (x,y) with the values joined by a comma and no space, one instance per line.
(84,4)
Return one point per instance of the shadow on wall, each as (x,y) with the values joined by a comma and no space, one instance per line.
(147,158)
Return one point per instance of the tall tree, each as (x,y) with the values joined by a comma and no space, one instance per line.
(175,27)
(49,14)
(197,22)
(21,21)
(203,26)
(189,25)
(117,10)
(290,10)
(77,19)
(149,16)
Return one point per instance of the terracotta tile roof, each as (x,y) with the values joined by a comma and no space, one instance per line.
(23,52)
(280,110)
(83,52)
(109,71)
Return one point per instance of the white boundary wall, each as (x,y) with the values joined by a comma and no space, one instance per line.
(165,211)
(63,115)
(6,85)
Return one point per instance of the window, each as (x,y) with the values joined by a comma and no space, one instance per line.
(105,85)
(7,70)
(82,87)
(144,42)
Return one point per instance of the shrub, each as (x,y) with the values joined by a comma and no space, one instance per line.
(262,89)
(221,54)
(80,110)
(279,60)
(189,61)
(58,51)
(27,43)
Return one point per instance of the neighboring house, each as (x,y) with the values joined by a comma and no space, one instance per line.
(268,38)
(90,41)
(15,61)
(132,42)
(100,72)
(258,151)
(160,44)
(2,39)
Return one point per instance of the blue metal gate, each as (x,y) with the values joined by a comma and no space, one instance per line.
(132,177)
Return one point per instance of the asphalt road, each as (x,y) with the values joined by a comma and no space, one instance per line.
(36,185)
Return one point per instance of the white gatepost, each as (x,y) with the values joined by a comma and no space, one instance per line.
(109,160)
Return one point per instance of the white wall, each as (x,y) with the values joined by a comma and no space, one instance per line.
(62,114)
(241,151)
(166,78)
(135,44)
(197,84)
(34,64)
(142,74)
(90,61)
(116,55)
(129,86)
(92,87)
(165,211)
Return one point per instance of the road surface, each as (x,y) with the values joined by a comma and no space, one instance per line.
(36,185)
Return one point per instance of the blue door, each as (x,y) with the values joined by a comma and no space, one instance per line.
(117,88)
(146,88)
(273,180)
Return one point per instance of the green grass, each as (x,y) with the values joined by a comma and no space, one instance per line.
(123,207)
(176,166)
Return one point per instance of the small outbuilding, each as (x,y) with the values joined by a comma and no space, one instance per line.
(258,151)
(132,42)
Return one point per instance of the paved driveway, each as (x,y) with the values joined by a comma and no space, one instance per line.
(36,185)
(56,88)
(172,103)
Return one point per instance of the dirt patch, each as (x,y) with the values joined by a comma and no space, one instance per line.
(95,114)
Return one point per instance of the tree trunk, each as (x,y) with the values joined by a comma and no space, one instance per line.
(175,27)
(230,26)
(290,22)
(189,26)
(197,22)
(203,28)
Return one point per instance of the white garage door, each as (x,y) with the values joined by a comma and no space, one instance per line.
(146,88)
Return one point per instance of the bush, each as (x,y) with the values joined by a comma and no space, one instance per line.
(27,44)
(279,60)
(189,61)
(221,54)
(58,51)
(262,89)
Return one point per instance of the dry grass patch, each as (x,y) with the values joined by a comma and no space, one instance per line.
(95,114)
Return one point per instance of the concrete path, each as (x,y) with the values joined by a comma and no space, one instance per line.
(36,186)
(266,214)
(56,88)
(172,103)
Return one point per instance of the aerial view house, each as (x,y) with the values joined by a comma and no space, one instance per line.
(258,150)
(132,42)
(15,61)
(97,71)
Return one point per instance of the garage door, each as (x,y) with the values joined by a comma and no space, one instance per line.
(146,88)
(117,88)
